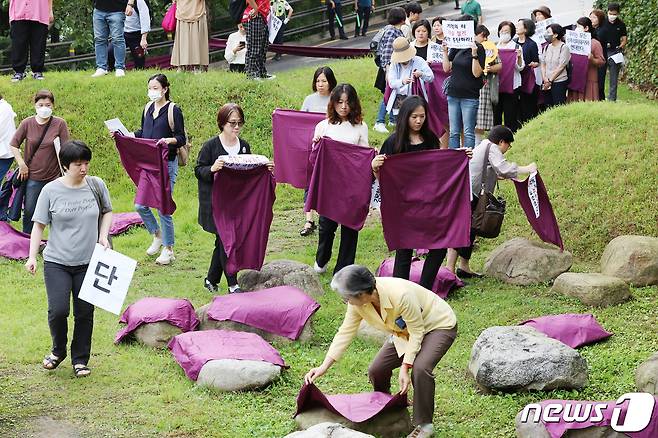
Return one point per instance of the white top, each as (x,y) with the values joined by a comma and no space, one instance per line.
(406,30)
(344,131)
(315,103)
(7,128)
(139,22)
(232,150)
(518,66)
(233,40)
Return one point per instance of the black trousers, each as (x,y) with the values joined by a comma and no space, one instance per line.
(467,251)
(218,265)
(133,40)
(62,282)
(528,108)
(402,265)
(364,17)
(282,32)
(601,72)
(28,36)
(236,68)
(507,108)
(349,239)
(557,95)
(331,15)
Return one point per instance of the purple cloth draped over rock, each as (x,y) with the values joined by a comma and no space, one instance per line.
(145,162)
(571,329)
(506,74)
(559,428)
(281,310)
(444,282)
(121,222)
(341,182)
(193,349)
(242,202)
(14,245)
(426,200)
(538,209)
(308,51)
(355,407)
(177,312)
(578,80)
(528,80)
(437,116)
(292,139)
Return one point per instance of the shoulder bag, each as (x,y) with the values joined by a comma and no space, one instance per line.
(488,215)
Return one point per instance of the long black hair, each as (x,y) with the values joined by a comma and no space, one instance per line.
(408,106)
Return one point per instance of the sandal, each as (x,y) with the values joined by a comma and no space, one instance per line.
(81,370)
(51,361)
(307,230)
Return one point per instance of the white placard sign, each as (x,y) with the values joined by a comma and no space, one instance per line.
(273,26)
(115,125)
(434,52)
(540,30)
(107,279)
(579,43)
(458,34)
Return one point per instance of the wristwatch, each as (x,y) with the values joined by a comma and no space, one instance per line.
(474,56)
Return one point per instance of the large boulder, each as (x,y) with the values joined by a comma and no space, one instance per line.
(282,273)
(521,358)
(206,323)
(328,430)
(237,375)
(646,376)
(524,262)
(634,259)
(593,289)
(369,333)
(529,429)
(156,334)
(390,423)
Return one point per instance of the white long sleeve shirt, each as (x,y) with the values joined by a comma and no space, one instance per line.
(233,40)
(344,131)
(7,128)
(398,72)
(140,20)
(520,65)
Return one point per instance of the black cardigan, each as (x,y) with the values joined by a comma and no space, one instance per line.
(210,151)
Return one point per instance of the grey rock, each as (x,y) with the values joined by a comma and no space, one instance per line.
(282,273)
(156,334)
(391,423)
(520,358)
(328,430)
(530,429)
(524,262)
(593,289)
(646,376)
(371,334)
(237,375)
(634,259)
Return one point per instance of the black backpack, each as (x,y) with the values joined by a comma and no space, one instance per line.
(236,9)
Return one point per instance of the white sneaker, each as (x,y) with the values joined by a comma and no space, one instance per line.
(422,431)
(119,73)
(99,72)
(165,257)
(155,246)
(391,124)
(318,269)
(380,127)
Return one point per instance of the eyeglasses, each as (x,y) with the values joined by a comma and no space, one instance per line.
(234,124)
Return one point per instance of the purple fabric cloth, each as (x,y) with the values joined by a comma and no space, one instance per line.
(506,75)
(571,329)
(537,207)
(193,349)
(242,202)
(341,182)
(177,312)
(292,137)
(444,282)
(578,80)
(426,200)
(145,162)
(528,80)
(308,51)
(355,407)
(437,101)
(14,244)
(281,310)
(121,222)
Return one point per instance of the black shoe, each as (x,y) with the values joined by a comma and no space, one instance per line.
(18,77)
(237,290)
(464,274)
(212,288)
(307,231)
(344,37)
(276,57)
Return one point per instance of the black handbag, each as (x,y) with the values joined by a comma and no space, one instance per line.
(487,217)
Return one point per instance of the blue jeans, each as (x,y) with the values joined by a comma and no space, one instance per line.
(463,115)
(381,115)
(109,25)
(32,192)
(166,220)
(5,163)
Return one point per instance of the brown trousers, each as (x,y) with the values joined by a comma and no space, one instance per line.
(435,344)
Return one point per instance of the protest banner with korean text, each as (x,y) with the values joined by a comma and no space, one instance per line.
(459,34)
(579,43)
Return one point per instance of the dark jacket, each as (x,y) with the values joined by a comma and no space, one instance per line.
(159,127)
(210,151)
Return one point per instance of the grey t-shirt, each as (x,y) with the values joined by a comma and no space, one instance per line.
(315,103)
(72,215)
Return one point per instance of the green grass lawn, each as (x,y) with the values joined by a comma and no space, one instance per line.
(598,162)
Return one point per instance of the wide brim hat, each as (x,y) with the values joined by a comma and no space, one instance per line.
(403,51)
(544,10)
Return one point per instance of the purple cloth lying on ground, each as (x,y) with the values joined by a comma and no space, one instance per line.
(146,165)
(341,182)
(177,312)
(426,200)
(506,75)
(292,139)
(537,207)
(444,282)
(121,222)
(355,407)
(193,349)
(281,310)
(14,244)
(578,80)
(571,329)
(242,202)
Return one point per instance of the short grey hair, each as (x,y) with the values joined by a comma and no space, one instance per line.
(352,281)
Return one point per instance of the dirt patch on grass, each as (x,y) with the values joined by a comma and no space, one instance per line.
(47,427)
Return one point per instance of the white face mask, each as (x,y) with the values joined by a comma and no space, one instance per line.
(44,112)
(154,95)
(612,18)
(505,37)
(580,28)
